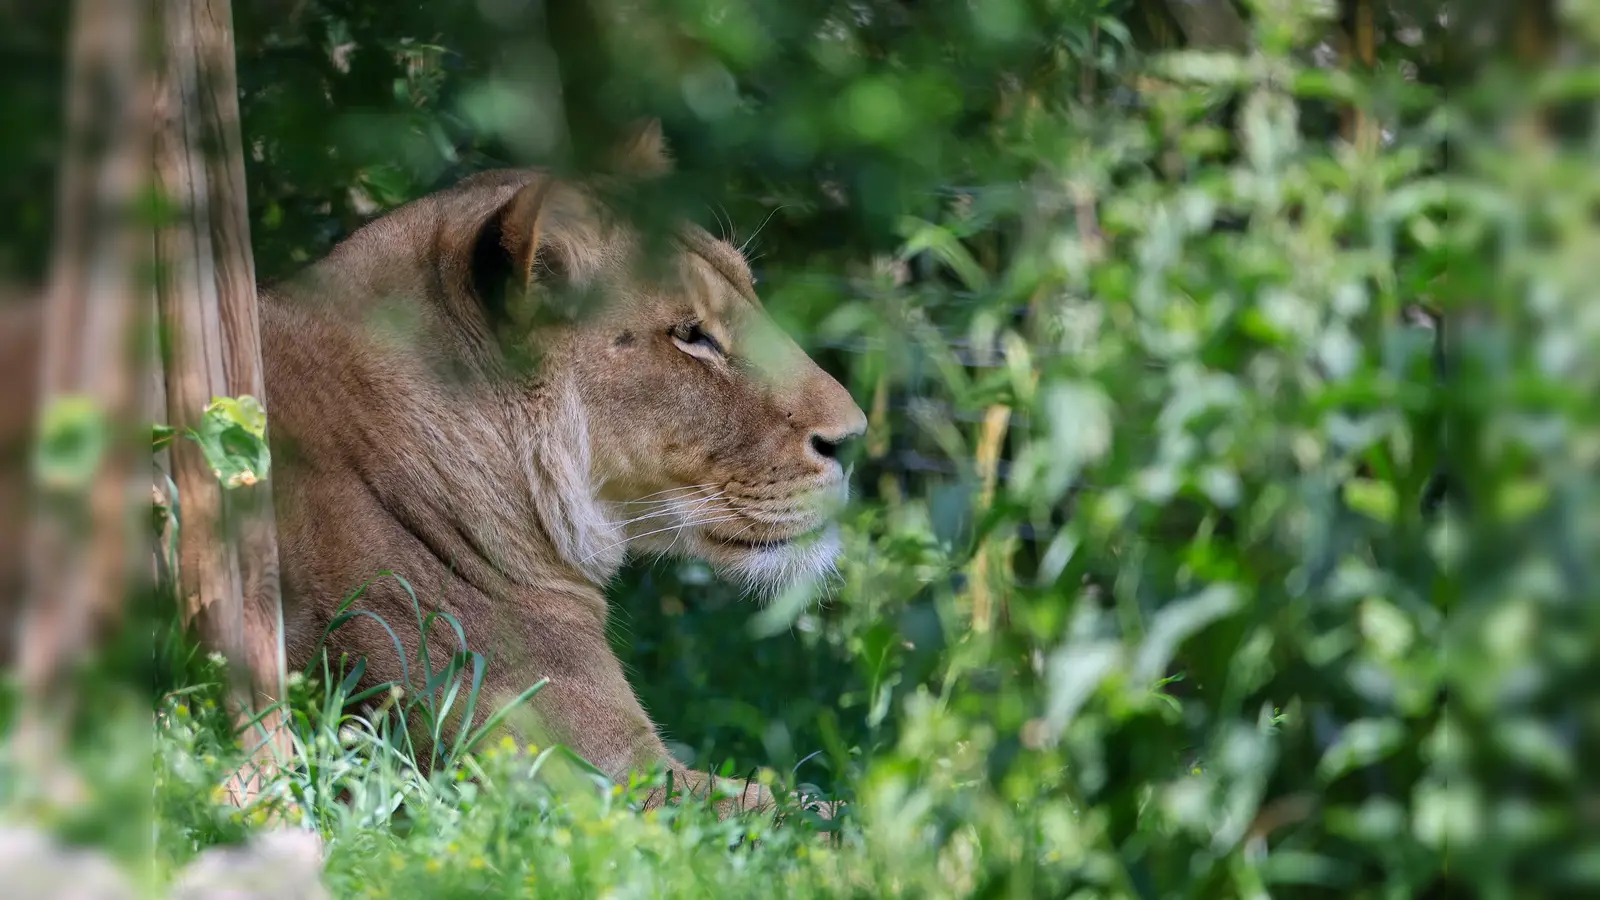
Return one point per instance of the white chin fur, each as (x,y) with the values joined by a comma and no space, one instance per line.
(764,572)
(768,572)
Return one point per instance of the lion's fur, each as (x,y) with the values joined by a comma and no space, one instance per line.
(407,439)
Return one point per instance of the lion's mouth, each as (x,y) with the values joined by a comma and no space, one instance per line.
(766,543)
(762,544)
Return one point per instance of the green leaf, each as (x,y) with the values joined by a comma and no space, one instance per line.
(73,436)
(1361,743)
(1178,621)
(946,248)
(1373,499)
(232,436)
(1206,67)
(1517,500)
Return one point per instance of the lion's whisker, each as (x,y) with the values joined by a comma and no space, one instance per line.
(692,489)
(669,503)
(687,523)
(757,232)
(735,535)
(674,545)
(686,487)
(639,510)
(679,527)
(670,509)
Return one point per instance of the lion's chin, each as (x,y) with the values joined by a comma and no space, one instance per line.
(767,569)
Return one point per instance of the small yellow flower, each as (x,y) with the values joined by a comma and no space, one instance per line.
(508,745)
(181,711)
(433,865)
(477,862)
(616,790)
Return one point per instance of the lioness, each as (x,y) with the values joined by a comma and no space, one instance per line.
(665,412)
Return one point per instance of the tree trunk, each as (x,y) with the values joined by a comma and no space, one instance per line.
(228,556)
(86,529)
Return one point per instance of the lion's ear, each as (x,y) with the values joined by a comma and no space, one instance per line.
(643,154)
(513,253)
(521,224)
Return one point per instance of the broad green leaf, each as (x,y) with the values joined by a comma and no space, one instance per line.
(232,436)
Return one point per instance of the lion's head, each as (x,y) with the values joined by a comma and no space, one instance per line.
(668,413)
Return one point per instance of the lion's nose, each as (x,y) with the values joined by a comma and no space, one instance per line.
(828,444)
(826,447)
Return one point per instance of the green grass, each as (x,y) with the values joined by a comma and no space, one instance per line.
(485,816)
(478,816)
(503,821)
(499,820)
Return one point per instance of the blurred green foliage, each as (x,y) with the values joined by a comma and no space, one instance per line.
(1228,522)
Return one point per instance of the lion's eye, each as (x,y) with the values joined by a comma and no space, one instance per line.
(691,335)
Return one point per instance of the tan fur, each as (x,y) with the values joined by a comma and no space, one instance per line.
(408,440)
